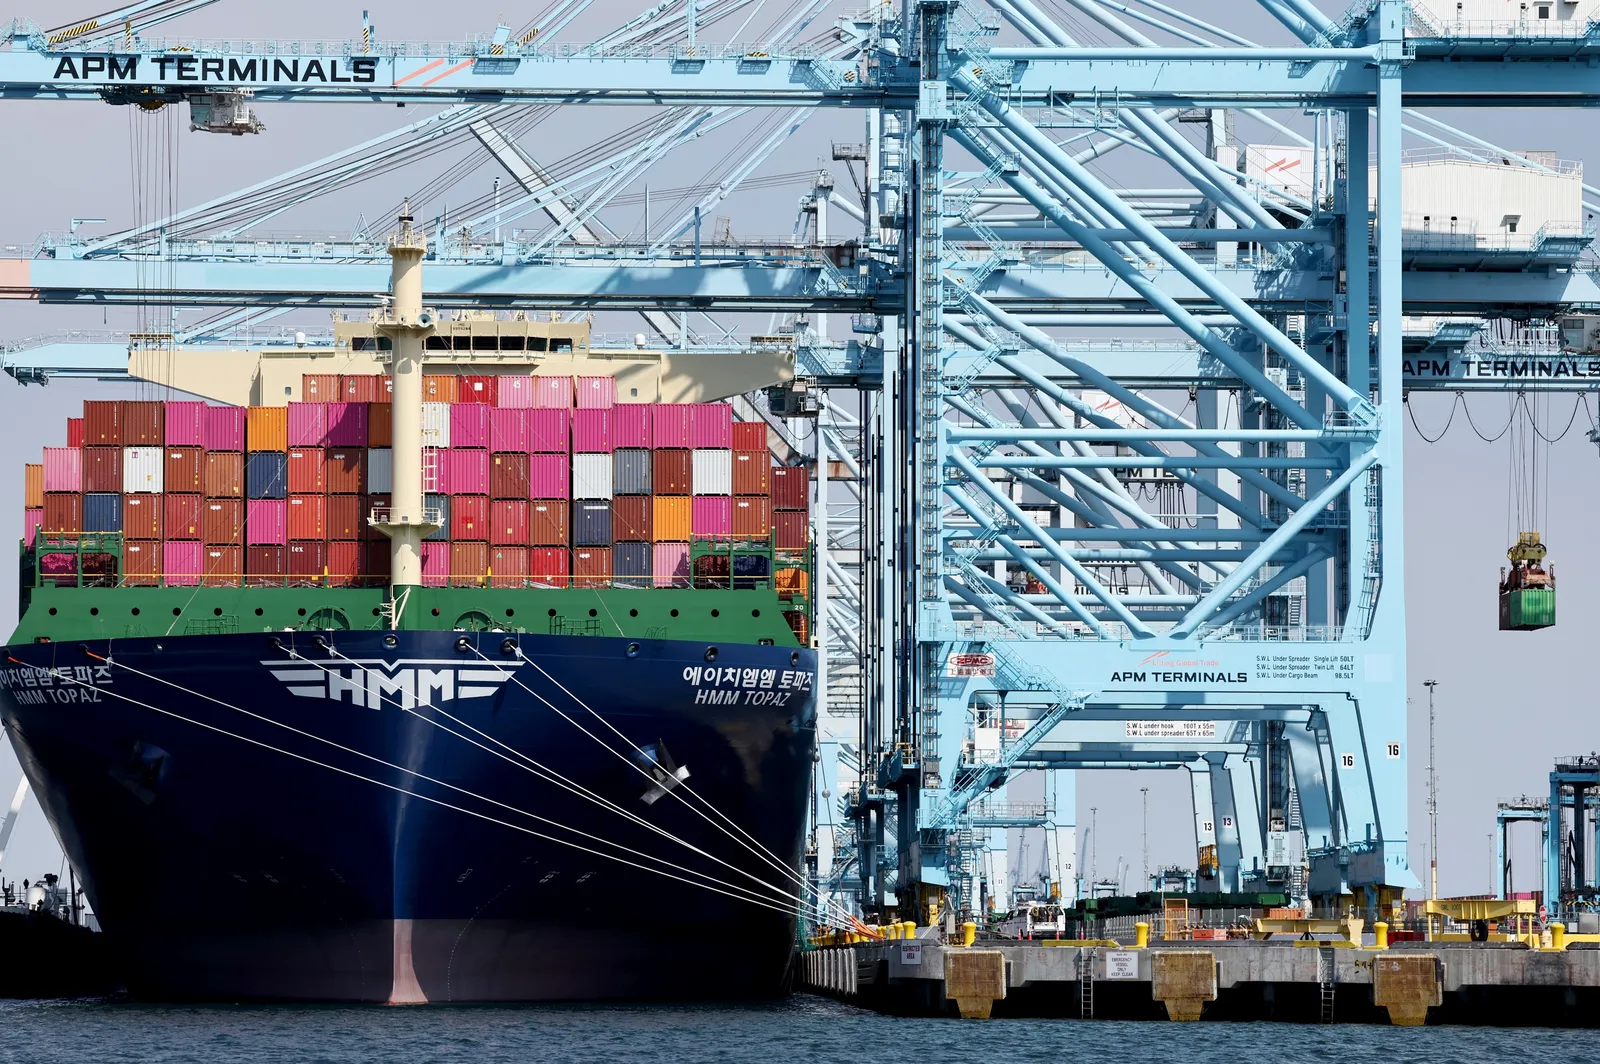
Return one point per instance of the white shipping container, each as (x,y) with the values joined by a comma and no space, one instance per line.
(712,472)
(143,469)
(1284,167)
(435,424)
(380,470)
(1500,18)
(591,476)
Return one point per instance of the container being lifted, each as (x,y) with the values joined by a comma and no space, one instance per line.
(1527,588)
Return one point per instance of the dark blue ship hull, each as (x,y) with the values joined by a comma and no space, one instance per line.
(254,825)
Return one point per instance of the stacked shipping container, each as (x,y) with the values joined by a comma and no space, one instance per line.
(543,481)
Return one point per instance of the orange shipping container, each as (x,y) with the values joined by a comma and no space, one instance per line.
(591,567)
(380,425)
(222,566)
(33,485)
(222,520)
(752,516)
(224,475)
(469,564)
(319,388)
(141,516)
(347,470)
(508,566)
(185,470)
(438,387)
(102,424)
(144,424)
(308,473)
(672,518)
(344,517)
(630,518)
(548,523)
(308,517)
(267,428)
(141,562)
(750,472)
(362,388)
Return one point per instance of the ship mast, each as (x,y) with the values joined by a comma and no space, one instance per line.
(407,324)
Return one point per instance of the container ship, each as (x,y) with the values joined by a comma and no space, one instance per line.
(423,686)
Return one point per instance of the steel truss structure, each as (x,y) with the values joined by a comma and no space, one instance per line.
(1043,545)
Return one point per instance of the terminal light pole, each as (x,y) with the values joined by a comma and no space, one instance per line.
(1144,793)
(1433,802)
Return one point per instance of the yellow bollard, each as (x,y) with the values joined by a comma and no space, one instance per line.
(1141,935)
(1558,936)
(1380,935)
(891,931)
(909,927)
(969,933)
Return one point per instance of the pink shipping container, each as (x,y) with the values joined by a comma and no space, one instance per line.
(63,469)
(591,431)
(713,515)
(514,392)
(31,520)
(630,425)
(308,424)
(182,562)
(266,522)
(550,431)
(469,424)
(435,563)
(508,429)
(186,425)
(224,428)
(596,393)
(549,477)
(347,424)
(711,425)
(670,564)
(552,393)
(669,425)
(466,471)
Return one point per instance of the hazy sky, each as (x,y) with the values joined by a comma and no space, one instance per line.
(1508,702)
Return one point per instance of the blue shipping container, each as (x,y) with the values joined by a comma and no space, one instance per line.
(591,524)
(440,503)
(266,475)
(631,564)
(102,513)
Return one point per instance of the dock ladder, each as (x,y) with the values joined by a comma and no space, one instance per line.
(1086,958)
(1325,980)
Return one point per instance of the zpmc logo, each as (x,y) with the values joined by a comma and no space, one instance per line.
(404,684)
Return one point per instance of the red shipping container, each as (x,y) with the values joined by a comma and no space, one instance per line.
(363,387)
(380,425)
(223,565)
(185,470)
(345,517)
(265,566)
(550,430)
(144,424)
(467,471)
(319,387)
(508,475)
(549,523)
(102,425)
(438,388)
(591,566)
(225,427)
(368,504)
(346,471)
(344,563)
(347,424)
(185,425)
(308,517)
(513,391)
(476,389)
(308,560)
(596,393)
(508,430)
(181,562)
(752,516)
(74,432)
(672,472)
(791,529)
(141,563)
(469,425)
(750,473)
(669,425)
(552,392)
(750,436)
(469,564)
(508,566)
(630,518)
(508,522)
(469,517)
(630,425)
(308,424)
(308,471)
(549,566)
(221,519)
(591,431)
(102,469)
(435,561)
(791,488)
(63,512)
(224,477)
(183,518)
(711,425)
(266,522)
(141,516)
(549,476)
(375,560)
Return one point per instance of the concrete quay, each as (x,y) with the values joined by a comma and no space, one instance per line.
(1406,984)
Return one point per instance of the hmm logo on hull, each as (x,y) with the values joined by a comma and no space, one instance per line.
(404,684)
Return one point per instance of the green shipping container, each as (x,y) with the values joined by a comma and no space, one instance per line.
(1527,609)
